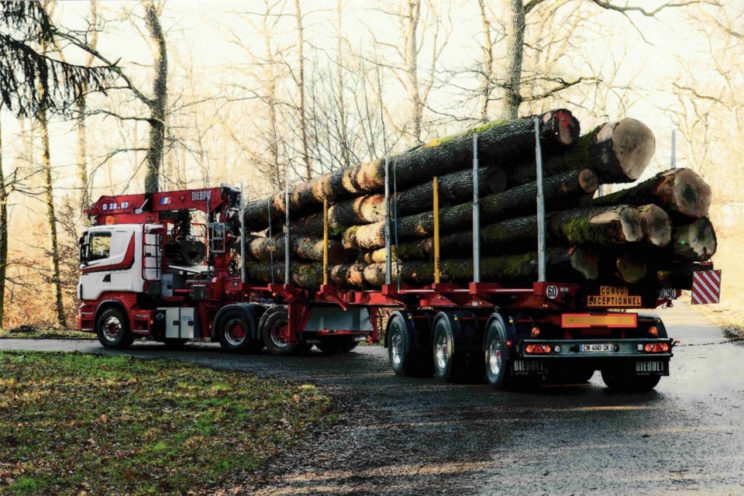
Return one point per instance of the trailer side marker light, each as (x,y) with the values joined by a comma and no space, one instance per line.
(653,331)
(656,347)
(535,332)
(509,343)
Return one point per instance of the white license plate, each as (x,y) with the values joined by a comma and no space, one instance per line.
(601,347)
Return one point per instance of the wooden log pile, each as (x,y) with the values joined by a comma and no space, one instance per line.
(655,232)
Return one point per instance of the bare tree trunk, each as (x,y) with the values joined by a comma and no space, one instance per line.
(515,55)
(3,229)
(46,164)
(412,17)
(301,88)
(487,70)
(158,102)
(81,104)
(343,130)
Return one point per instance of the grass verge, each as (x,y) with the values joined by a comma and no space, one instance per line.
(82,424)
(27,332)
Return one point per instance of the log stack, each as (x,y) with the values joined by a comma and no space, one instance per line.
(655,232)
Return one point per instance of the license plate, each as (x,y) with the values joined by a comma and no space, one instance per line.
(601,347)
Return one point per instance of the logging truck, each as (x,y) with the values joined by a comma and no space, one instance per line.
(171,267)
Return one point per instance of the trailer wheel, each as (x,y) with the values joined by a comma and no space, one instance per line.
(236,329)
(623,379)
(112,328)
(405,360)
(270,326)
(448,364)
(495,354)
(336,345)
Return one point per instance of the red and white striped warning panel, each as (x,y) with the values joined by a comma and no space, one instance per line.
(706,287)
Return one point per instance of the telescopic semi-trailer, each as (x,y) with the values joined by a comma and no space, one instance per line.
(168,266)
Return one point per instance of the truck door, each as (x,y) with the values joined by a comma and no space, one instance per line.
(108,256)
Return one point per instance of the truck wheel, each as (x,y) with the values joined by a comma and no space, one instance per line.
(336,345)
(274,319)
(236,331)
(448,364)
(622,379)
(495,355)
(112,328)
(404,359)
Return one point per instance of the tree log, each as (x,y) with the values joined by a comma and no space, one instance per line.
(630,268)
(307,248)
(675,190)
(453,188)
(498,143)
(618,152)
(695,241)
(656,225)
(560,191)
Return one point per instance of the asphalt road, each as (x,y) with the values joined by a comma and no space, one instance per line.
(421,436)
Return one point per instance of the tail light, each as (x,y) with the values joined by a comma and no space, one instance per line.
(537,349)
(653,331)
(656,347)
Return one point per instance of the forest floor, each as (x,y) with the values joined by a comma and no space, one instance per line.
(30,332)
(73,423)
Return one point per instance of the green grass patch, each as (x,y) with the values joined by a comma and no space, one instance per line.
(117,425)
(26,332)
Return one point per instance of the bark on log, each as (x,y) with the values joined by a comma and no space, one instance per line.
(303,247)
(453,188)
(618,152)
(675,190)
(611,227)
(695,241)
(560,191)
(499,143)
(656,225)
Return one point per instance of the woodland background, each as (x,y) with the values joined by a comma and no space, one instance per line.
(261,92)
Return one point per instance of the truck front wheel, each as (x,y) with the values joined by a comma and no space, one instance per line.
(112,328)
(272,325)
(622,379)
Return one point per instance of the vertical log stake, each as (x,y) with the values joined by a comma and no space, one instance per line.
(540,206)
(286,232)
(388,257)
(325,241)
(435,191)
(476,213)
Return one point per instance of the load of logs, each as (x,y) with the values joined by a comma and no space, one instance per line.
(655,232)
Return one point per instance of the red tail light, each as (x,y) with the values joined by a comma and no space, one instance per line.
(656,347)
(537,349)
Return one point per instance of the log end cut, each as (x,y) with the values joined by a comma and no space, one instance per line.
(696,241)
(656,225)
(588,181)
(630,269)
(691,193)
(561,125)
(633,144)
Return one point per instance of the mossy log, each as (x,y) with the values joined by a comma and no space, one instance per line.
(303,247)
(498,143)
(675,190)
(611,226)
(618,152)
(453,188)
(695,241)
(561,191)
(656,225)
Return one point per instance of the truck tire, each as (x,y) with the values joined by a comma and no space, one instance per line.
(337,344)
(623,379)
(448,364)
(270,326)
(404,358)
(112,328)
(236,331)
(495,355)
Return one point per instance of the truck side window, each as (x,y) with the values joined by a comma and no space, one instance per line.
(100,246)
